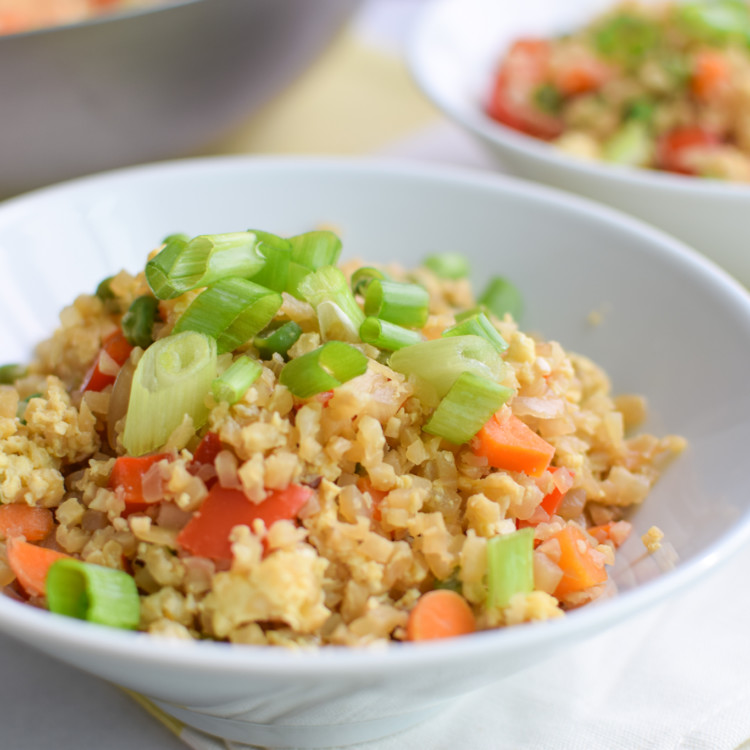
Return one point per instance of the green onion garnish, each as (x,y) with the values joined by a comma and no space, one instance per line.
(232,311)
(718,22)
(403,304)
(448,265)
(478,325)
(323,369)
(501,296)
(138,321)
(233,383)
(94,593)
(441,361)
(104,290)
(362,277)
(510,566)
(467,406)
(277,341)
(315,249)
(339,315)
(277,253)
(387,335)
(203,261)
(12,372)
(159,268)
(171,380)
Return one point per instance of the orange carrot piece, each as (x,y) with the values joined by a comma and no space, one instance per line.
(27,521)
(551,501)
(30,563)
(440,613)
(508,443)
(127,477)
(580,566)
(581,75)
(710,74)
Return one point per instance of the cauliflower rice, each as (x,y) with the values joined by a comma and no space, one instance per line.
(392,511)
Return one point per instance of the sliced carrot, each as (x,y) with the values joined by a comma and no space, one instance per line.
(206,534)
(508,443)
(127,477)
(441,613)
(581,565)
(118,348)
(674,148)
(28,521)
(30,564)
(710,74)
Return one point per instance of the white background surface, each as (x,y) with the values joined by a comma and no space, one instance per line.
(673,679)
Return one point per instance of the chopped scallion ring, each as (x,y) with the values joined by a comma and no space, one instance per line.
(323,369)
(94,593)
(403,304)
(138,321)
(448,265)
(339,315)
(203,261)
(362,277)
(171,380)
(510,566)
(232,311)
(233,383)
(277,341)
(387,335)
(315,249)
(478,325)
(467,406)
(501,297)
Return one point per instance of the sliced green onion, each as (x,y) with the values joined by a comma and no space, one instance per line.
(171,380)
(339,315)
(501,296)
(478,325)
(295,276)
(232,311)
(510,566)
(323,369)
(159,268)
(403,304)
(94,593)
(138,321)
(104,290)
(387,335)
(718,22)
(12,372)
(233,383)
(277,253)
(548,98)
(448,265)
(362,277)
(315,249)
(203,261)
(441,361)
(278,340)
(466,408)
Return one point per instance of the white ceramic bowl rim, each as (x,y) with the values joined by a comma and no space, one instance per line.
(333,660)
(107,17)
(475,119)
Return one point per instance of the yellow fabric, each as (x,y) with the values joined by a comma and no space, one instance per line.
(354,99)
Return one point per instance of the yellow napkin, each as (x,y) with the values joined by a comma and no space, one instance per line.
(354,99)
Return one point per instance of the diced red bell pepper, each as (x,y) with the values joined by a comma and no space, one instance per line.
(127,476)
(118,348)
(206,534)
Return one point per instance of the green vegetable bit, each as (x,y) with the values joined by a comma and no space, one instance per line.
(138,321)
(94,593)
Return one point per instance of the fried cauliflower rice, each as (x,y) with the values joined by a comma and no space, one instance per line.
(386,511)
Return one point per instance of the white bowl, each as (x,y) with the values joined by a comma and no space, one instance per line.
(675,328)
(453,55)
